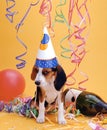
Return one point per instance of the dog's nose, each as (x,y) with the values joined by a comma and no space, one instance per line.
(37,82)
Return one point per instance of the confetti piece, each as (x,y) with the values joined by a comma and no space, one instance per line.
(1,105)
(95,126)
(49,120)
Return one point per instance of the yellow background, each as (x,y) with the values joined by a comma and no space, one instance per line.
(94,64)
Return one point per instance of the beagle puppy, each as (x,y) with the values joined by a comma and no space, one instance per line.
(50,83)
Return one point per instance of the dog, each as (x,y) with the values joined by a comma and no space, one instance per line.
(50,83)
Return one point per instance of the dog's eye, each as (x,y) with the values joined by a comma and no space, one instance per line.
(45,72)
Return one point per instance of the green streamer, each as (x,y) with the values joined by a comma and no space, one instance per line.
(60,18)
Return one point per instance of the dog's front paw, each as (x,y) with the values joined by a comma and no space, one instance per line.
(40,120)
(62,121)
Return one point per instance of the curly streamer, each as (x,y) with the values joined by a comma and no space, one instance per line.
(26,14)
(19,57)
(85,7)
(23,62)
(60,18)
(59,14)
(70,12)
(9,15)
(72,77)
(45,10)
(78,52)
(65,50)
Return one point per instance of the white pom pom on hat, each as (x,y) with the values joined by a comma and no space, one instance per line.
(46,57)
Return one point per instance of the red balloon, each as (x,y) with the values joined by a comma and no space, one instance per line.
(12,84)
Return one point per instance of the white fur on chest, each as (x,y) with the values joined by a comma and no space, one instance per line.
(51,93)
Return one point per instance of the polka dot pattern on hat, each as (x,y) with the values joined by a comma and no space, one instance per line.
(51,63)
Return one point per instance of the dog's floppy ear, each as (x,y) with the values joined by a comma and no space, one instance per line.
(60,78)
(34,72)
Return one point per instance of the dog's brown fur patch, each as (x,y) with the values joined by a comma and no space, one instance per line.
(34,72)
